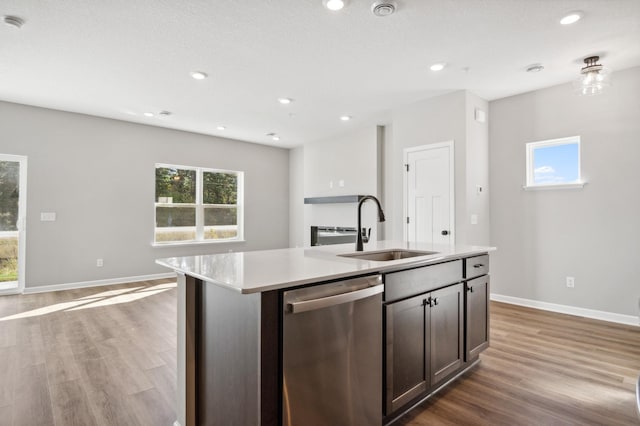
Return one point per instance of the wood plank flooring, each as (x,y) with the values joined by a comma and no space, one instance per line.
(95,356)
(107,356)
(543,368)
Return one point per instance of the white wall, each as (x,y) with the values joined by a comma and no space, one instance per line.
(592,234)
(98,176)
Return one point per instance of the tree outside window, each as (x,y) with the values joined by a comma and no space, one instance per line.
(197,204)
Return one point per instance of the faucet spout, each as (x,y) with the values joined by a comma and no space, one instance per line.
(359,244)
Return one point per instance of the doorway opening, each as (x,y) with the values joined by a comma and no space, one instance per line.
(13,204)
(429,193)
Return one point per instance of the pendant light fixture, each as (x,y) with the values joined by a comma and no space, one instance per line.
(594,78)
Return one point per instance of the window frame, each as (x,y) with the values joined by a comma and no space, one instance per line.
(530,169)
(200,207)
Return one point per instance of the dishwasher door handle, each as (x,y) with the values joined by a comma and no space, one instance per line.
(338,299)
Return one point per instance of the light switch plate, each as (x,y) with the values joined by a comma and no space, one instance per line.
(474,219)
(47,216)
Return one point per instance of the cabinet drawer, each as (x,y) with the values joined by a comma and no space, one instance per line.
(476,266)
(398,285)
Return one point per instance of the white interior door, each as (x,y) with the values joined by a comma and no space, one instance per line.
(429,193)
(13,193)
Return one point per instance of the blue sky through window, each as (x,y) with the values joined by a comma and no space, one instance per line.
(556,164)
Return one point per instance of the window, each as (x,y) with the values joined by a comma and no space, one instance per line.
(554,163)
(194,204)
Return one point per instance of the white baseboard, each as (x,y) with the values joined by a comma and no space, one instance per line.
(570,310)
(97,283)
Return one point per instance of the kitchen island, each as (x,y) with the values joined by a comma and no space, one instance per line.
(230,316)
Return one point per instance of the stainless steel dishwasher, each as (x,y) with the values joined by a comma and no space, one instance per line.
(332,354)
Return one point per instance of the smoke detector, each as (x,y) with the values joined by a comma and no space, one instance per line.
(383,8)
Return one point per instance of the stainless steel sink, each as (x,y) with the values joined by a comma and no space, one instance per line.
(386,255)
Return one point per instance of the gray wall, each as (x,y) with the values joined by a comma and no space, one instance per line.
(363,161)
(477,172)
(352,157)
(98,176)
(440,119)
(592,233)
(296,196)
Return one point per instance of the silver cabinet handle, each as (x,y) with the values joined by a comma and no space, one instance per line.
(338,299)
(478,265)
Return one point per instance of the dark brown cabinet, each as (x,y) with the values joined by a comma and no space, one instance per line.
(424,343)
(446,332)
(436,324)
(477,316)
(407,370)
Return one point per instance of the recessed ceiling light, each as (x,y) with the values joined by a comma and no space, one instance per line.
(571,18)
(13,21)
(334,5)
(148,114)
(535,68)
(220,127)
(198,75)
(285,101)
(345,117)
(438,67)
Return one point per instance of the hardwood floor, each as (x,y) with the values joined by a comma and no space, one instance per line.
(543,368)
(107,356)
(95,356)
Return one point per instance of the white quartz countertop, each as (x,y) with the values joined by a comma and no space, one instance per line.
(258,271)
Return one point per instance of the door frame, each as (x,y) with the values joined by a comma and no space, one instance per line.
(22,221)
(452,185)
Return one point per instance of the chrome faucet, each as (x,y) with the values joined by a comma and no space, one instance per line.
(380,218)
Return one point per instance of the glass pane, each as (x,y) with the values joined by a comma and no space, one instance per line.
(8,258)
(9,195)
(556,164)
(220,188)
(175,185)
(220,222)
(175,223)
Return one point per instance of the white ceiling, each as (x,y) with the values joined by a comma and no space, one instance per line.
(121,58)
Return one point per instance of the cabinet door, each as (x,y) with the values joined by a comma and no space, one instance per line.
(477,330)
(446,351)
(407,372)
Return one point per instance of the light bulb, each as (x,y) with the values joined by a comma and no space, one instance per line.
(334,5)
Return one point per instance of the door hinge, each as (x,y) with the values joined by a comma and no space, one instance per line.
(407,219)
(406,166)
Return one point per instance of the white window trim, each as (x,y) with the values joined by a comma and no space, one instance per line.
(200,208)
(529,178)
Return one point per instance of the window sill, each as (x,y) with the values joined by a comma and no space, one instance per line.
(577,185)
(195,243)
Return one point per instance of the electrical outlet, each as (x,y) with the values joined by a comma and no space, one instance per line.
(571,282)
(99,263)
